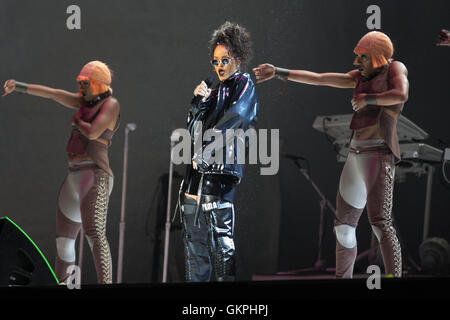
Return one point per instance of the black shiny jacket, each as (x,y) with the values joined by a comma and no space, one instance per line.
(232,104)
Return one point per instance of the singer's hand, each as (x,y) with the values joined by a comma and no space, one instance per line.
(76,117)
(9,86)
(264,72)
(202,90)
(194,165)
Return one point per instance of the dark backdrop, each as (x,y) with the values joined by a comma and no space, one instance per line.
(158,52)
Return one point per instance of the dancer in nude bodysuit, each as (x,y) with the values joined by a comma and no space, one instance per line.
(380,89)
(84,195)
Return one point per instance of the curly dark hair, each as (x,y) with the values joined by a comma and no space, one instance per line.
(237,40)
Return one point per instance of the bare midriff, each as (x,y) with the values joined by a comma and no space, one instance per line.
(192,196)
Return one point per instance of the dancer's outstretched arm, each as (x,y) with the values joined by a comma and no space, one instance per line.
(398,78)
(267,71)
(68,99)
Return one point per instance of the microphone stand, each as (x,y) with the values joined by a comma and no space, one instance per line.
(130,127)
(80,250)
(323,202)
(173,138)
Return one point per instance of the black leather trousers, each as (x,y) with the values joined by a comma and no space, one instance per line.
(208,230)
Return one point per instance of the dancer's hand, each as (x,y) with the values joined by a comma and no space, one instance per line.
(194,165)
(9,86)
(264,72)
(444,38)
(359,102)
(76,117)
(202,90)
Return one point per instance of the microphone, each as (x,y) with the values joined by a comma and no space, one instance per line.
(131,126)
(198,98)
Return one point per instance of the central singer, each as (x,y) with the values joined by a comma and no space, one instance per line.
(208,187)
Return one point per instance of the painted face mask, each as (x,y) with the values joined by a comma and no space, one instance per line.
(98,75)
(378,46)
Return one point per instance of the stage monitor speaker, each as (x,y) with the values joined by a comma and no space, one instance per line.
(21,261)
(435,256)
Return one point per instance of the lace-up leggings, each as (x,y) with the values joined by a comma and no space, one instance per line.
(83,201)
(367,180)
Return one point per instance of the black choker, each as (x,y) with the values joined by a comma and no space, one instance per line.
(96,99)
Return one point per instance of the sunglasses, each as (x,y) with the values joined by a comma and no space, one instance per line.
(224,61)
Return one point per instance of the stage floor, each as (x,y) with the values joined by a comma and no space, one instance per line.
(263,288)
(269,299)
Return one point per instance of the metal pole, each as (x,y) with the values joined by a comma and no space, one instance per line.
(328,203)
(319,262)
(173,138)
(80,250)
(129,127)
(426,224)
(324,202)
